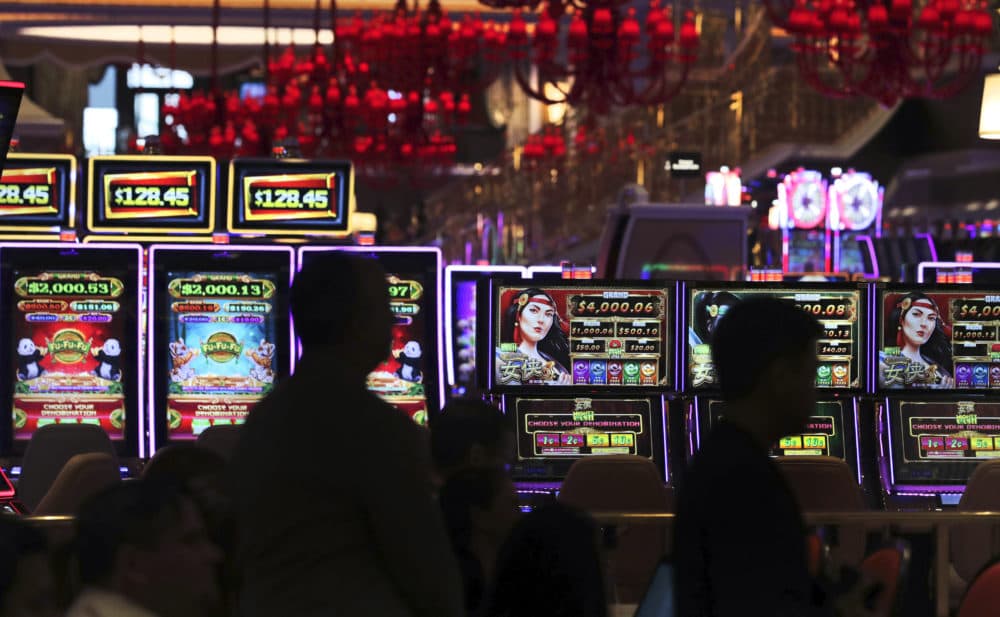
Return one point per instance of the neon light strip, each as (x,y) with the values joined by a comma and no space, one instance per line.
(448,285)
(151,302)
(871,251)
(663,434)
(400,249)
(140,395)
(857,439)
(964,265)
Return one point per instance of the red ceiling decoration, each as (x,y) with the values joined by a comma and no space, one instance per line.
(888,50)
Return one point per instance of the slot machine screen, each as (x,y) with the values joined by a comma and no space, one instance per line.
(823,434)
(553,432)
(941,442)
(838,309)
(221,332)
(807,250)
(410,376)
(568,334)
(461,321)
(939,339)
(72,338)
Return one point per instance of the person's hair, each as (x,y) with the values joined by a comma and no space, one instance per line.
(550,565)
(461,425)
(463,491)
(703,322)
(753,335)
(555,344)
(181,463)
(937,349)
(324,297)
(133,513)
(18,540)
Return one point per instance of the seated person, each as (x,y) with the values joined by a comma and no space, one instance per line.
(143,551)
(550,565)
(27,588)
(479,507)
(739,538)
(470,433)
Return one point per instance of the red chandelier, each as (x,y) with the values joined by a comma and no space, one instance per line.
(388,94)
(886,49)
(601,56)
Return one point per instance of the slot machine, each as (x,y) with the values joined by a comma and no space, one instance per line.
(938,372)
(834,429)
(72,340)
(460,318)
(412,377)
(803,219)
(295,199)
(582,369)
(855,210)
(219,334)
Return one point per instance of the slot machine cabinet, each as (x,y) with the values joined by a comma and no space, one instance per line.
(414,280)
(835,428)
(581,368)
(460,318)
(803,219)
(294,200)
(220,335)
(938,372)
(38,198)
(855,210)
(71,331)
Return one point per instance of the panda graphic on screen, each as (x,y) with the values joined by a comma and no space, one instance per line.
(28,357)
(109,356)
(409,362)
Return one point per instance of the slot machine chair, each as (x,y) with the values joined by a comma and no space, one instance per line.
(827,484)
(977,544)
(82,477)
(50,448)
(623,483)
(983,596)
(889,566)
(221,439)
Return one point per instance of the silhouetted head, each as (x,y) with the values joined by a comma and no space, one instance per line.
(470,433)
(550,565)
(147,541)
(764,352)
(27,588)
(341,300)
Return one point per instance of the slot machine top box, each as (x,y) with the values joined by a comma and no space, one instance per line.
(293,197)
(38,197)
(153,198)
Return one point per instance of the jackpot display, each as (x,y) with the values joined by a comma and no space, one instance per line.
(940,442)
(581,335)
(823,434)
(290,197)
(553,432)
(37,193)
(73,343)
(939,339)
(410,376)
(151,194)
(840,349)
(220,331)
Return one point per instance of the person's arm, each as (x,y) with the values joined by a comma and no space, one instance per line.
(407,526)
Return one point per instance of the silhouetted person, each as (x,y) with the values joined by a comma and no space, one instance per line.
(143,551)
(739,540)
(479,506)
(332,486)
(27,588)
(470,433)
(550,566)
